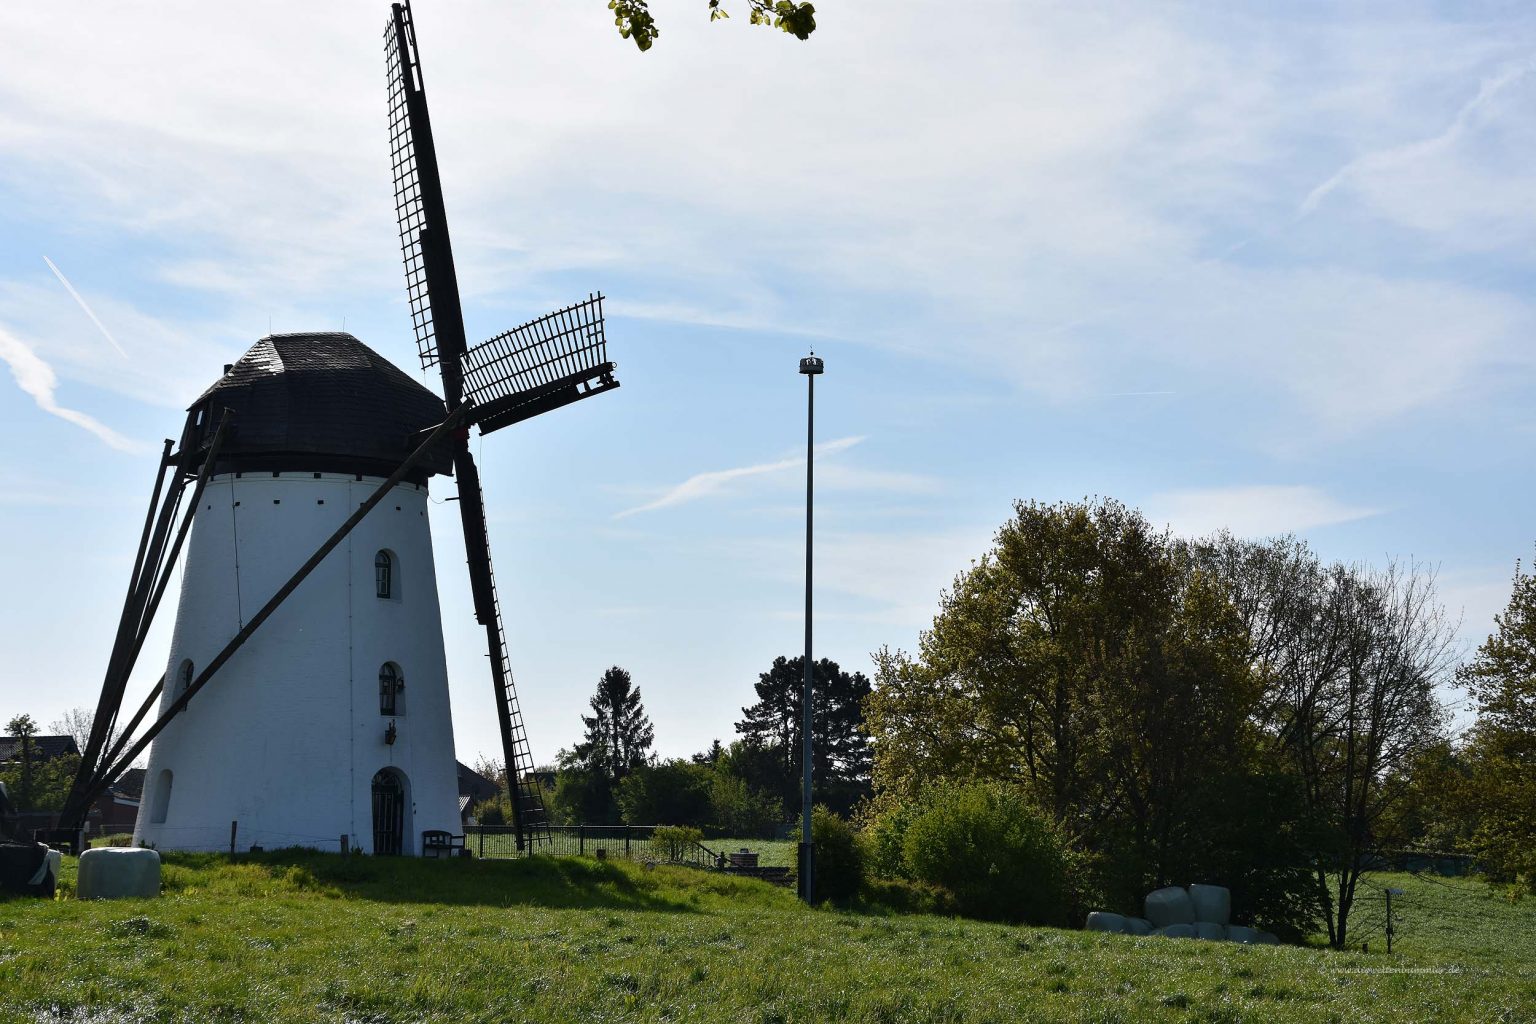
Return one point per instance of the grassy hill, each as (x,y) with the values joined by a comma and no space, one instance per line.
(307,937)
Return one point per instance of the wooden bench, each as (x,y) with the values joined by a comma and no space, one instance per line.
(438,843)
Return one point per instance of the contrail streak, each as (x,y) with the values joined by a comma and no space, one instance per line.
(82,303)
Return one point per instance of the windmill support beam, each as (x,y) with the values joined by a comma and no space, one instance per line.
(111,773)
(152,574)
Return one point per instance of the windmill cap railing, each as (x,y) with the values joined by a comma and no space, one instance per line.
(546,363)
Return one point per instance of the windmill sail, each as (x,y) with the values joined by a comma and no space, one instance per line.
(506,368)
(430,281)
(558,359)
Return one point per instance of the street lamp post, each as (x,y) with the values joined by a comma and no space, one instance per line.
(811,366)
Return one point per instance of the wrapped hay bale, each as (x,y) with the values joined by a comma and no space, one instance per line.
(1213,903)
(1238,933)
(24,868)
(1177,931)
(1104,921)
(1210,931)
(1171,905)
(109,873)
(46,881)
(1138,926)
(1268,939)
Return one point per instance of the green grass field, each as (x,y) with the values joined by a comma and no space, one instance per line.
(312,937)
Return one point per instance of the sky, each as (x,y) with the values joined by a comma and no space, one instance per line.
(1257,267)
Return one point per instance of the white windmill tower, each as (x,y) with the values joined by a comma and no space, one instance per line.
(333,720)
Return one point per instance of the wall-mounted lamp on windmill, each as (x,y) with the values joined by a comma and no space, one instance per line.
(304,438)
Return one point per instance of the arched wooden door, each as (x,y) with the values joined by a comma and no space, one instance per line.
(388,813)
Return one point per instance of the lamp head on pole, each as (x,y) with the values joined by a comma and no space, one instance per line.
(811,364)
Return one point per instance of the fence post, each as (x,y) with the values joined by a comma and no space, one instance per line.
(581,840)
(627,830)
(482,844)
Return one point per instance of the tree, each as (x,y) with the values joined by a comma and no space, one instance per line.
(1501,754)
(617,740)
(674,792)
(77,723)
(840,765)
(618,732)
(1351,658)
(1089,662)
(634,20)
(710,756)
(23,728)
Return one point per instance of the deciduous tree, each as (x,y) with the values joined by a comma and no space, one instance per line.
(1501,754)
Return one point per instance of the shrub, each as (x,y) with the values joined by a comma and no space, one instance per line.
(999,854)
(903,896)
(675,791)
(490,812)
(885,830)
(671,842)
(739,809)
(839,857)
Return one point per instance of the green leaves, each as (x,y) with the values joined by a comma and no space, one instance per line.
(634,20)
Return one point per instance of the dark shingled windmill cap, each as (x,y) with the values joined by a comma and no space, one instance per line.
(323,402)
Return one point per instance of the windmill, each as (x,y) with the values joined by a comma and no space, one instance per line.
(309,419)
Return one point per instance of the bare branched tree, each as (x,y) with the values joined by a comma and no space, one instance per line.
(1351,659)
(77,723)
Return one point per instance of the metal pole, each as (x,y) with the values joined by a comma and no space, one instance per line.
(810,366)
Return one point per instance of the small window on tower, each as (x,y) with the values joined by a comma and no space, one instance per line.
(184,677)
(384,574)
(391,690)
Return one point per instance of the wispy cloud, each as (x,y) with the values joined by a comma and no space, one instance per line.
(84,306)
(702,485)
(1260,510)
(1393,157)
(37,379)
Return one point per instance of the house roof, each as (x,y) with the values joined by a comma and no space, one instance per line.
(130,784)
(320,401)
(43,747)
(474,785)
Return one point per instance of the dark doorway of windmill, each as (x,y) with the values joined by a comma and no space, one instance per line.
(388,813)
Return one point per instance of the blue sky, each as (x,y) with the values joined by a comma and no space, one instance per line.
(1268,269)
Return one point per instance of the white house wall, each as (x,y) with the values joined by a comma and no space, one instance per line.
(286,738)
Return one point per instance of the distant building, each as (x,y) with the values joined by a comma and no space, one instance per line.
(44,748)
(473,788)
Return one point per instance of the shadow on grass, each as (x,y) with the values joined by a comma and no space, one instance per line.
(557,882)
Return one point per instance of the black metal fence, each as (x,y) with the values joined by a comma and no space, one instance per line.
(630,842)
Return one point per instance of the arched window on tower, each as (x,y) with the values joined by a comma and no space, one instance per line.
(160,803)
(184,676)
(384,574)
(391,690)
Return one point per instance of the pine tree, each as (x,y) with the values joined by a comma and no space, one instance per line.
(618,732)
(840,759)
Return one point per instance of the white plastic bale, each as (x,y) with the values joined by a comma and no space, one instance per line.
(1268,939)
(1168,906)
(1138,926)
(1104,921)
(1210,931)
(1176,931)
(1238,933)
(110,873)
(1212,903)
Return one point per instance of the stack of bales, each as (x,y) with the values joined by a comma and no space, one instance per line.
(1199,912)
